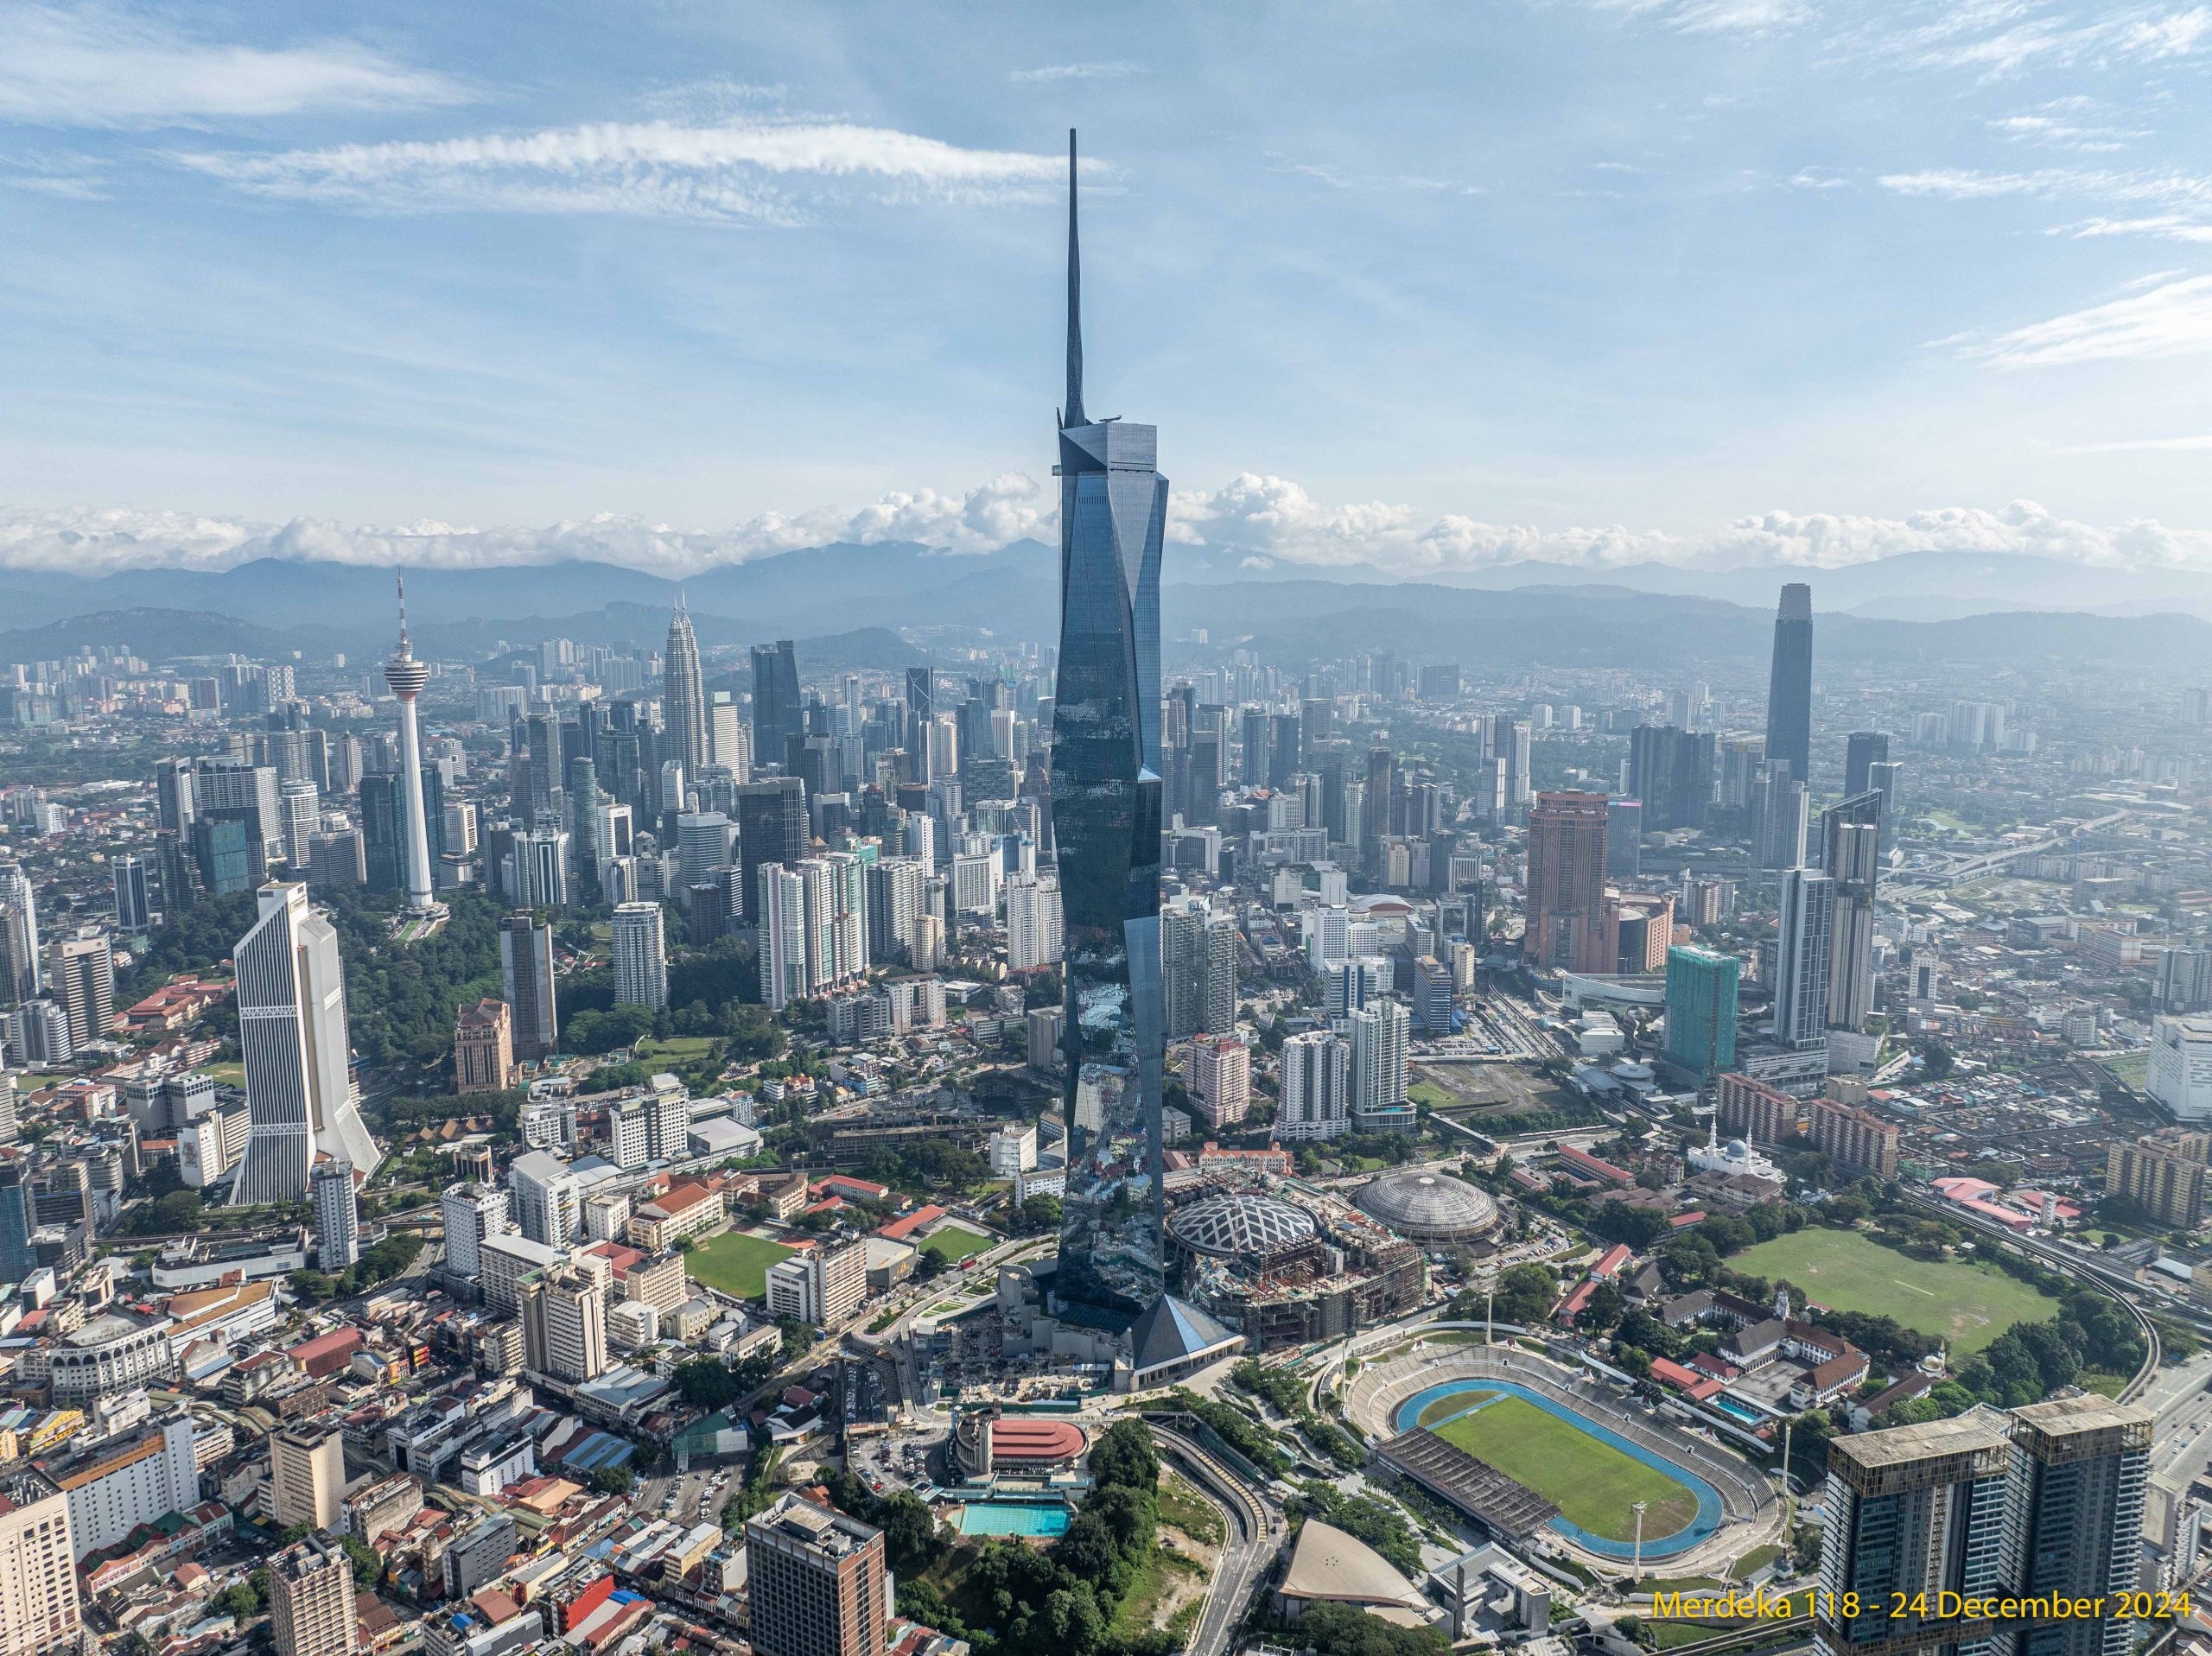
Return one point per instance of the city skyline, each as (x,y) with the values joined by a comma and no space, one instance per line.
(1993,225)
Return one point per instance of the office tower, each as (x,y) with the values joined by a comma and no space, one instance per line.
(1701,988)
(1670,770)
(133,877)
(337,1215)
(1778,817)
(311,1610)
(176,883)
(1850,856)
(824,1287)
(39,1032)
(526,985)
(483,1048)
(299,1085)
(778,713)
(817,1581)
(40,1612)
(1623,839)
(1506,741)
(1106,822)
(1221,1079)
(640,948)
(1567,885)
(772,826)
(564,1325)
(1380,1032)
(1033,923)
(472,1213)
(1789,684)
(386,850)
(1911,1514)
(2081,1472)
(307,1477)
(300,809)
(1252,746)
(1432,1009)
(1316,1088)
(22,974)
(703,843)
(173,794)
(237,791)
(1803,943)
(407,676)
(584,850)
(921,715)
(1885,779)
(683,695)
(80,976)
(1283,751)
(1862,750)
(540,868)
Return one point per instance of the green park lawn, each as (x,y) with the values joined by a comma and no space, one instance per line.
(679,1049)
(1964,1302)
(953,1243)
(1593,1483)
(735,1262)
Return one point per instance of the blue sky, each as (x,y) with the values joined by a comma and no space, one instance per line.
(1595,280)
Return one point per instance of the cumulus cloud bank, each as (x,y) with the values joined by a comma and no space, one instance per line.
(1257,521)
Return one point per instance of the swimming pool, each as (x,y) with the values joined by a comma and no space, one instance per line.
(1013,1518)
(1699,1529)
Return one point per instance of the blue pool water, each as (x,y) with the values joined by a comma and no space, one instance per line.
(1011,1518)
(1481,1394)
(1736,1410)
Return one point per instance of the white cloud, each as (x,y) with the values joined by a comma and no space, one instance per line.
(736,170)
(1718,17)
(2145,445)
(2170,319)
(1114,71)
(98,66)
(1257,521)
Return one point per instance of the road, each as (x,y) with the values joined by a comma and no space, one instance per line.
(1244,1560)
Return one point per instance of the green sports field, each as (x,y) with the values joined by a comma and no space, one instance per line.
(735,1263)
(1593,1484)
(953,1243)
(1967,1303)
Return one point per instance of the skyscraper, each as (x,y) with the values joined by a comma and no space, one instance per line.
(1850,855)
(640,951)
(1670,770)
(1790,685)
(818,1582)
(311,1600)
(1702,989)
(1567,885)
(292,1036)
(2081,1472)
(527,984)
(134,896)
(1316,1088)
(921,715)
(407,676)
(1380,1032)
(684,695)
(80,976)
(1106,825)
(772,826)
(1778,817)
(778,713)
(1801,945)
(40,1612)
(1862,750)
(21,973)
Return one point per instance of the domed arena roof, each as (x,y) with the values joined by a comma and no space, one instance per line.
(1232,1226)
(1428,1206)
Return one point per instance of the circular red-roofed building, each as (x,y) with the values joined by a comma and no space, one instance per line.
(1018,1445)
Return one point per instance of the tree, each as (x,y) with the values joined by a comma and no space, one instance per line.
(1124,1456)
(368,1565)
(613,1480)
(1525,1294)
(1935,1060)
(706,1383)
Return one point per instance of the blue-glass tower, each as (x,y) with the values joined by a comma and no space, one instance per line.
(1106,822)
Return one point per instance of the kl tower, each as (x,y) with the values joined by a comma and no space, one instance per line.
(407,676)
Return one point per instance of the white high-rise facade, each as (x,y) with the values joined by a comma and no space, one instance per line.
(292,1037)
(640,955)
(472,1213)
(337,1216)
(1316,1088)
(407,676)
(1381,1033)
(1802,959)
(1032,922)
(814,925)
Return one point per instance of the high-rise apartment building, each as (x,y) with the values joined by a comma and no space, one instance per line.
(1566,909)
(1221,1079)
(472,1213)
(1107,815)
(684,695)
(897,896)
(22,973)
(1779,815)
(2080,1471)
(1851,835)
(526,985)
(293,1039)
(1802,959)
(307,1477)
(80,976)
(2166,1172)
(1789,684)
(1316,1088)
(1379,1035)
(1853,1136)
(817,1581)
(1032,922)
(337,1215)
(1701,990)
(824,1287)
(641,951)
(564,1325)
(311,1609)
(1752,1110)
(40,1611)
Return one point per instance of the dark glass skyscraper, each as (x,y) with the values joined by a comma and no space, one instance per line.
(777,714)
(1106,822)
(1790,687)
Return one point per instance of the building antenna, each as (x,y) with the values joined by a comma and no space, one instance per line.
(1074,413)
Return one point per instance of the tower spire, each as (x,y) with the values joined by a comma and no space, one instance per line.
(399,575)
(1073,416)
